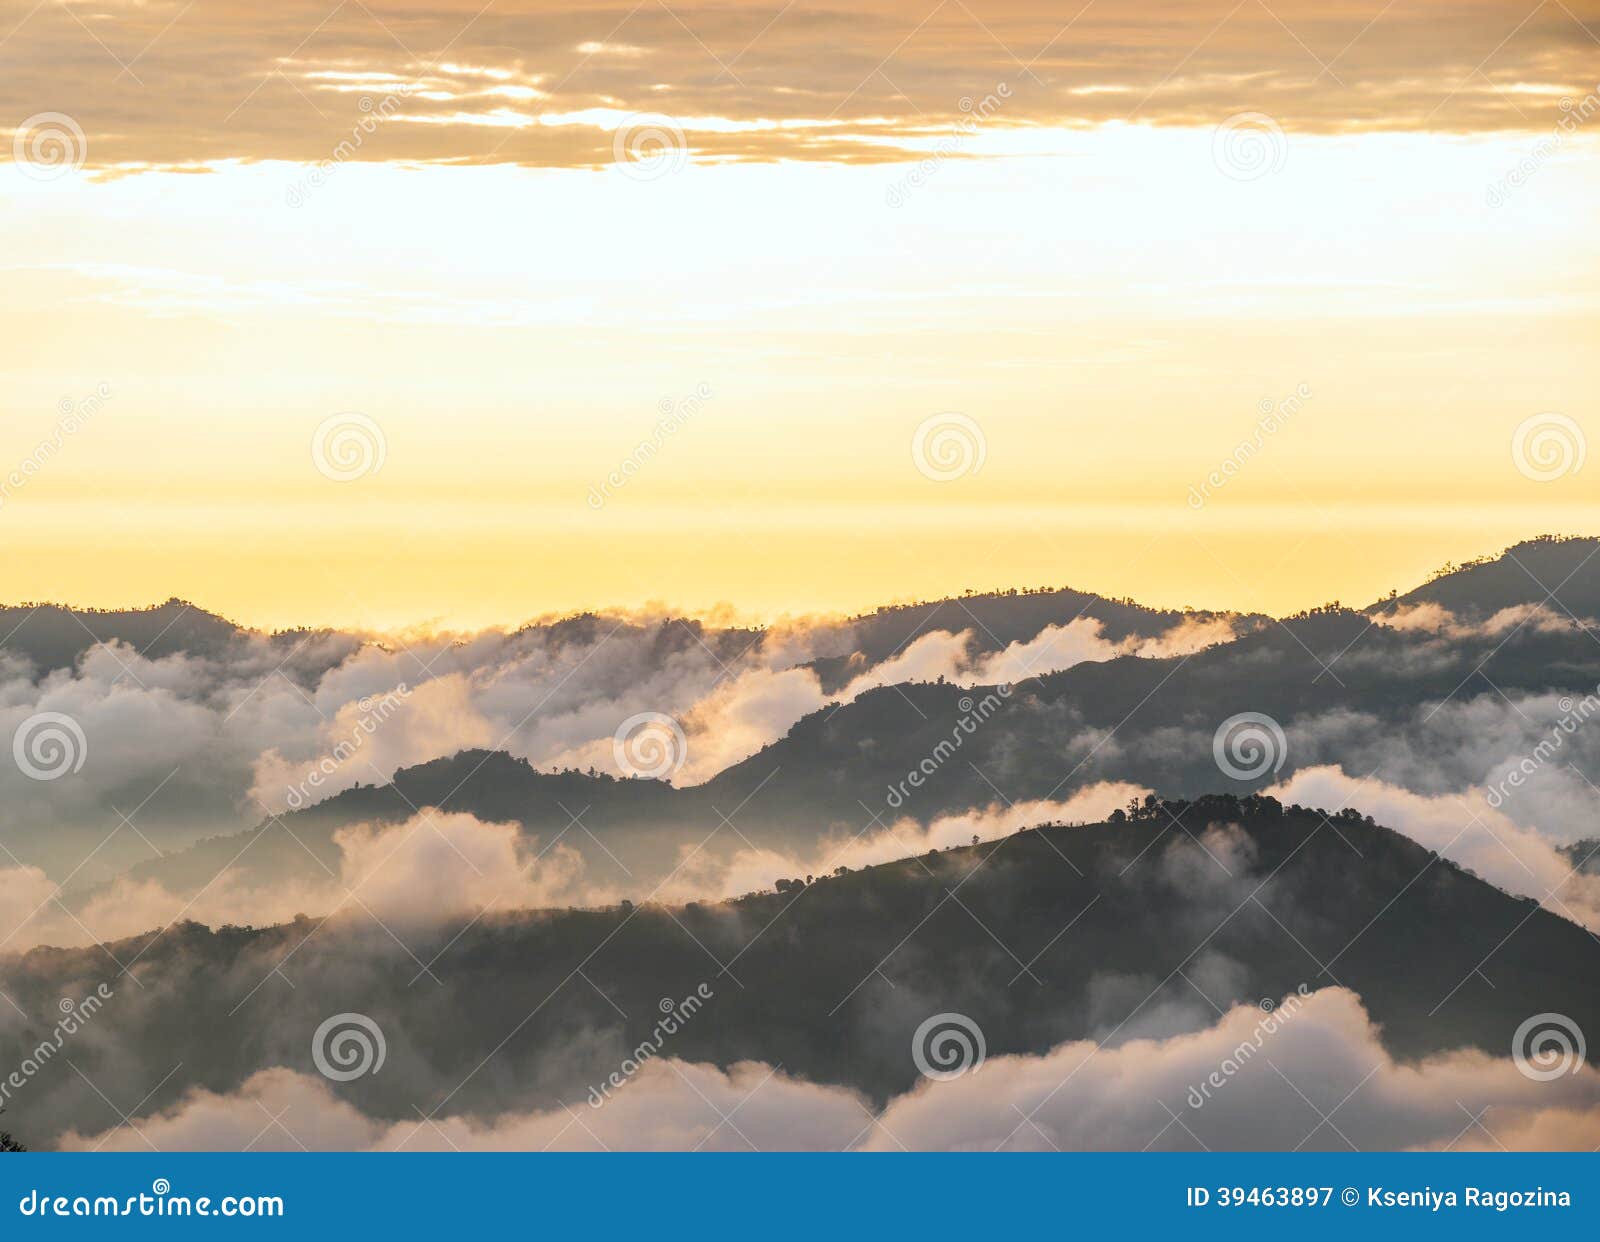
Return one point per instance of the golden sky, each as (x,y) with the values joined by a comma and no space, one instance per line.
(899,300)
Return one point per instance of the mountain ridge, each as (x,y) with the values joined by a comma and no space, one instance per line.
(1055,934)
(834,766)
(998,617)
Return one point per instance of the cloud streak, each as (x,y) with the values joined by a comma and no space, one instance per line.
(538,84)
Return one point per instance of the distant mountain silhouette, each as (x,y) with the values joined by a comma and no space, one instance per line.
(1561,573)
(1149,721)
(996,620)
(1144,720)
(1051,934)
(53,636)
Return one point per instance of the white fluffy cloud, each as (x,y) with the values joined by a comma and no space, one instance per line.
(433,866)
(437,865)
(1431,618)
(1314,1077)
(740,714)
(1463,828)
(193,745)
(749,870)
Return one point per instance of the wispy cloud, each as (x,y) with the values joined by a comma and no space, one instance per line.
(171,84)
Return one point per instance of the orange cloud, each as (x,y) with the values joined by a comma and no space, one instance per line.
(540,84)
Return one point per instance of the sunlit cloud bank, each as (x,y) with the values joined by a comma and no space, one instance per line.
(1505,755)
(1435,619)
(1319,1081)
(432,867)
(741,715)
(195,745)
(751,870)
(537,84)
(1465,829)
(437,866)
(190,745)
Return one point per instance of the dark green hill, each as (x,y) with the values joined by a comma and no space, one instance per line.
(996,620)
(53,636)
(1148,721)
(1048,935)
(1561,573)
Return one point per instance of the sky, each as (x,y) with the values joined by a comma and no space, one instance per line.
(462,314)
